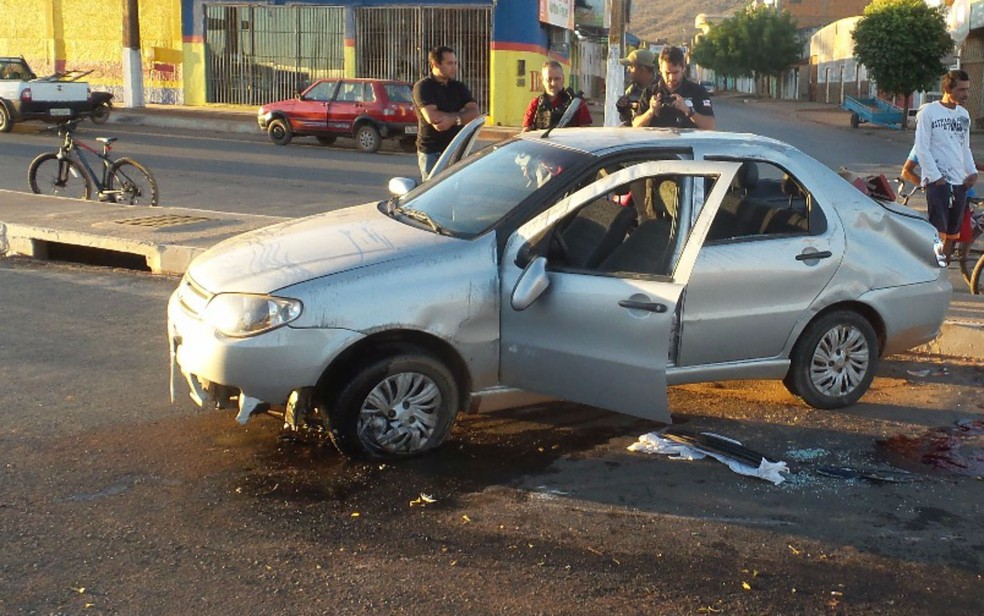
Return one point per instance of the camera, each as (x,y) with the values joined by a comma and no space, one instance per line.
(666,99)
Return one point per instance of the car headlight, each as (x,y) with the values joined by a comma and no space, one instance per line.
(241,314)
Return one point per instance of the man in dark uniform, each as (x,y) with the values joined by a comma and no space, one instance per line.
(674,101)
(444,105)
(545,110)
(642,72)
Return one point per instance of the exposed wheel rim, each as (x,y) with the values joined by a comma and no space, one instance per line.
(367,140)
(840,361)
(401,413)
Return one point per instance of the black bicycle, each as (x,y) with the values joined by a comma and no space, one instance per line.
(67,173)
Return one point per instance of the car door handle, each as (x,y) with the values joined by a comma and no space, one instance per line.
(647,306)
(806,256)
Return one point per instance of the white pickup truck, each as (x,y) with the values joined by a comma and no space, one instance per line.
(24,96)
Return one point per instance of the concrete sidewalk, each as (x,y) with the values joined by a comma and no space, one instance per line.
(170,237)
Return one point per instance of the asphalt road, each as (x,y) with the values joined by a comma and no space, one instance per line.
(227,172)
(115,501)
(246,173)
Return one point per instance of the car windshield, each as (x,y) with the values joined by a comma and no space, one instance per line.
(399,93)
(485,187)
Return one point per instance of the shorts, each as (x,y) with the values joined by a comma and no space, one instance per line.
(967,226)
(946,204)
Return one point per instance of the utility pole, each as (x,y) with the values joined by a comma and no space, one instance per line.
(615,77)
(133,94)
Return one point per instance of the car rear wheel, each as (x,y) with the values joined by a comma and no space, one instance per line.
(326,139)
(834,361)
(367,139)
(279,132)
(393,407)
(6,122)
(100,114)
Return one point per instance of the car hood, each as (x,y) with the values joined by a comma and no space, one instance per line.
(287,253)
(284,105)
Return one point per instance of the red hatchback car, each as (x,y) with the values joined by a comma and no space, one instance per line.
(367,109)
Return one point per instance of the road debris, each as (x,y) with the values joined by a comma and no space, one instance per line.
(878,475)
(684,445)
(423,499)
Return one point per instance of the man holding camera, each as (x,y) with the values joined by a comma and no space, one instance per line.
(642,72)
(673,101)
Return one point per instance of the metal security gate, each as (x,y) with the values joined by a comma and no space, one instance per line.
(392,43)
(255,54)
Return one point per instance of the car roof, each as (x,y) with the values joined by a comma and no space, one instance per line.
(600,139)
(367,80)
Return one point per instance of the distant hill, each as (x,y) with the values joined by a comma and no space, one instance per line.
(672,21)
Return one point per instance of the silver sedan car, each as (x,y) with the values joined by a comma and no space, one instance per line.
(592,265)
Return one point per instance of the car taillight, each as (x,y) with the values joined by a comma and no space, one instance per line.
(26,95)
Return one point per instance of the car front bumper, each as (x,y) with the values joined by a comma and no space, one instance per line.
(266,367)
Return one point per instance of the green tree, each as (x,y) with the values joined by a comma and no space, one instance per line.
(756,41)
(902,44)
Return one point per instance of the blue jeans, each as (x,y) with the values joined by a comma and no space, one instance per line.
(426,162)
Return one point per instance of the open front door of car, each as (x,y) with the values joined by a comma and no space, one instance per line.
(599,330)
(461,146)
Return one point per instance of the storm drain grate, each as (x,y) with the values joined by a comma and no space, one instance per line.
(164,220)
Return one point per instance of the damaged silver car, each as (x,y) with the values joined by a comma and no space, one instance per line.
(592,265)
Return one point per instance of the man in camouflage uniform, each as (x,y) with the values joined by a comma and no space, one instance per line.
(642,72)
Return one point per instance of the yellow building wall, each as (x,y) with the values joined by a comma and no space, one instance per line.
(83,35)
(510,91)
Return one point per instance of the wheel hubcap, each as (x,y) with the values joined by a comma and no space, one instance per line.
(840,361)
(400,414)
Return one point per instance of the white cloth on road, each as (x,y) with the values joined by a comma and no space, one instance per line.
(654,443)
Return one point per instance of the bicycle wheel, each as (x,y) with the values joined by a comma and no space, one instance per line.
(63,178)
(976,282)
(969,253)
(130,182)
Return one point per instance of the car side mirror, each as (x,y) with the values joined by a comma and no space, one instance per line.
(531,284)
(401,186)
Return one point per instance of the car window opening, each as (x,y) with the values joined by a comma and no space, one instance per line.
(765,201)
(634,230)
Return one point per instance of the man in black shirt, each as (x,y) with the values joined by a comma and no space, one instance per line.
(673,100)
(444,105)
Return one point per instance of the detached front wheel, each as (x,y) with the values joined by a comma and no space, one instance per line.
(394,407)
(834,361)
